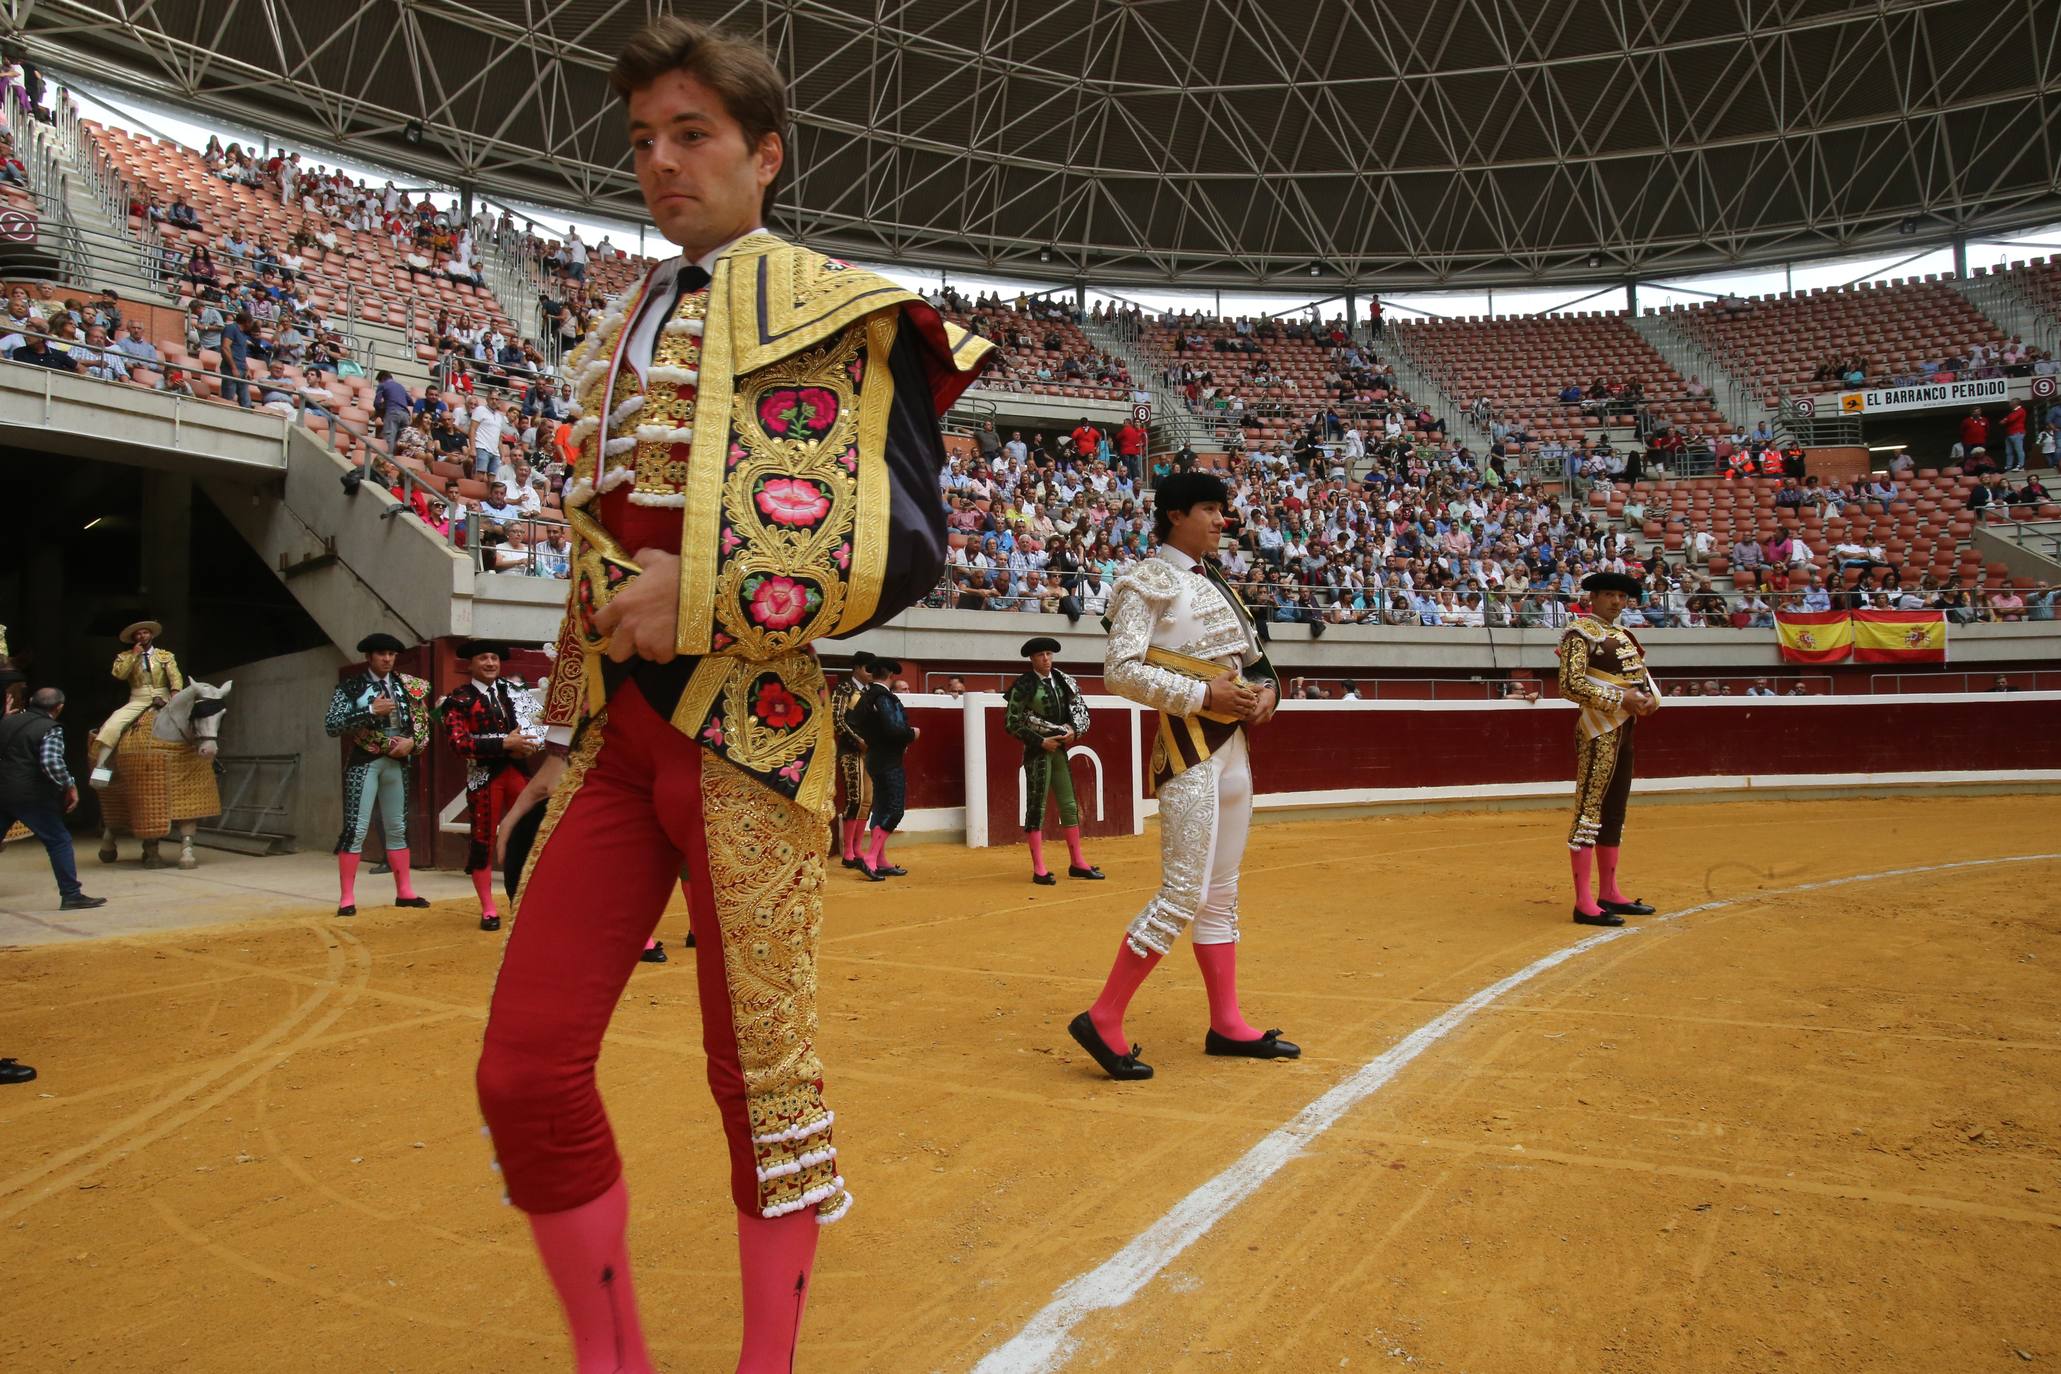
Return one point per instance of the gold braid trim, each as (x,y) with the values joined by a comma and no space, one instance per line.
(765,867)
(869,539)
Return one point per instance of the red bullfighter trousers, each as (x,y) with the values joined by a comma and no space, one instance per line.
(640,808)
(487,805)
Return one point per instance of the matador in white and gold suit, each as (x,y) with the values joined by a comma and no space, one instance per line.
(1175,624)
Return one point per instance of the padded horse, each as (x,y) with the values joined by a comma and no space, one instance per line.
(164,774)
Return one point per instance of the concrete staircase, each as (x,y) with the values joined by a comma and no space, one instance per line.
(1173,426)
(1737,398)
(2010,308)
(1419,387)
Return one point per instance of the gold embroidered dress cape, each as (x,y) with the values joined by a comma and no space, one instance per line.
(769,425)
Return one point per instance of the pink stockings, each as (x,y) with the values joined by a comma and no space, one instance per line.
(1584,891)
(1125,978)
(1219,964)
(404,888)
(586,1253)
(1606,874)
(776,1257)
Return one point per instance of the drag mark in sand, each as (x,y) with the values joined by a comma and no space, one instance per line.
(1047,1342)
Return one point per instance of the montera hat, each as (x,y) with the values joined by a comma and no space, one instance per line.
(1611,582)
(1043,644)
(381,642)
(473,648)
(150,627)
(877,665)
(1186,490)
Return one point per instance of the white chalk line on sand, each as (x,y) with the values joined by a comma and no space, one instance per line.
(1047,1341)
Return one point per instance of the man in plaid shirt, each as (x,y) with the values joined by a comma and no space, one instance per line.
(37,789)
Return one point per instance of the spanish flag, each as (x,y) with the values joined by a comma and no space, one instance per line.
(1899,637)
(1814,636)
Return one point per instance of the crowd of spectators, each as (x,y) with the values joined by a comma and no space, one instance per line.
(2012,358)
(1351,503)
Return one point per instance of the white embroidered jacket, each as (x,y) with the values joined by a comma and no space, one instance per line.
(1165,601)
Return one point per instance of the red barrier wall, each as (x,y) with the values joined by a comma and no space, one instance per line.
(965,772)
(1366,753)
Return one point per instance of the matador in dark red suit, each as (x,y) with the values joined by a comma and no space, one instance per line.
(480,722)
(758,467)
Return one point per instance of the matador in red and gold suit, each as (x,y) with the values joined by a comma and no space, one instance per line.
(770,416)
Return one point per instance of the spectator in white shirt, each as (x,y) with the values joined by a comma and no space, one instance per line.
(498,508)
(488,425)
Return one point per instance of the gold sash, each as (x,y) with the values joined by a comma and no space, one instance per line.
(1197,669)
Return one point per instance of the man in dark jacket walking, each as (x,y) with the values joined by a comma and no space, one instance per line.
(37,789)
(888,734)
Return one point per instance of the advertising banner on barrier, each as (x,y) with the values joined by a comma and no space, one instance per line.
(1929,396)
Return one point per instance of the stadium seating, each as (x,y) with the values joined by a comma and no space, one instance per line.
(1780,341)
(1018,369)
(1522,363)
(1294,373)
(1928,530)
(368,275)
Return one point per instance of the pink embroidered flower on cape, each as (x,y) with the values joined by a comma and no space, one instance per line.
(792,501)
(779,602)
(798,412)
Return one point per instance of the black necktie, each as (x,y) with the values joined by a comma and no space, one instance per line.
(691,279)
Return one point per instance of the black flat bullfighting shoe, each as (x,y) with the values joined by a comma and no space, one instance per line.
(1045,879)
(873,875)
(1600,918)
(853,863)
(14,1071)
(655,955)
(347,911)
(1124,1068)
(1076,871)
(422,902)
(490,923)
(1268,1046)
(892,871)
(1634,907)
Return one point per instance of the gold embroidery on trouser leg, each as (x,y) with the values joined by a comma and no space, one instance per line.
(765,859)
(1187,853)
(1595,759)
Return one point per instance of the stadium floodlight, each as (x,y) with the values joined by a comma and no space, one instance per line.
(1595,260)
(413,133)
(1908,225)
(1044,255)
(1316,270)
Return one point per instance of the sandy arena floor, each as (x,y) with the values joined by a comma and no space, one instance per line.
(1791,1130)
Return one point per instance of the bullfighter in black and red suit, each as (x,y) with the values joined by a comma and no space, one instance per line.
(480,722)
